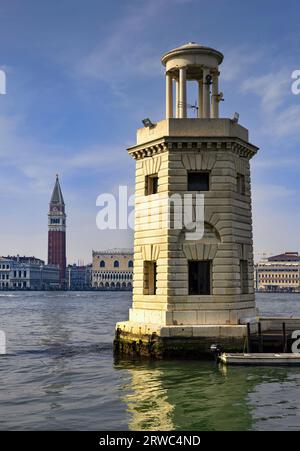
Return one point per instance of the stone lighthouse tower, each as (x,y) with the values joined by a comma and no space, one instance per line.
(57,231)
(193,285)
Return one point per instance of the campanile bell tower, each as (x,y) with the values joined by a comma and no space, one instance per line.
(57,231)
(191,290)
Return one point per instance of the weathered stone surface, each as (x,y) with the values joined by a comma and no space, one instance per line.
(177,342)
(172,321)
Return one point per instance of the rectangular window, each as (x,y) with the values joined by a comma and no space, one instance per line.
(200,277)
(198,181)
(151,184)
(150,277)
(244,276)
(241,184)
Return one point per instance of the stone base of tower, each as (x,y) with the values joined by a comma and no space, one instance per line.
(176,342)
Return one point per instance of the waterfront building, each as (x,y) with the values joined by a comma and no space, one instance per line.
(57,232)
(112,269)
(191,290)
(278,273)
(79,277)
(27,273)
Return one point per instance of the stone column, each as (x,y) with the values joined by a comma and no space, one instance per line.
(177,98)
(169,95)
(182,92)
(200,98)
(206,95)
(215,94)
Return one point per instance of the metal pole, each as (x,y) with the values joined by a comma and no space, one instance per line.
(284,343)
(260,337)
(248,338)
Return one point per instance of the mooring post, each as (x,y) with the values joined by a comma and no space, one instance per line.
(260,338)
(284,343)
(248,338)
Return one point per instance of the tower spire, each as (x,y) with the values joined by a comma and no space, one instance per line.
(57,197)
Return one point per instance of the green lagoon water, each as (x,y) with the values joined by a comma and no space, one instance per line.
(59,373)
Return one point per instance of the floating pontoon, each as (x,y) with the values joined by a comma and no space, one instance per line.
(259,359)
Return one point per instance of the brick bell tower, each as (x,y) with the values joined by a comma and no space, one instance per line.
(57,231)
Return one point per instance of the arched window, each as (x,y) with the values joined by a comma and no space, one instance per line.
(116,264)
(102,264)
(130,264)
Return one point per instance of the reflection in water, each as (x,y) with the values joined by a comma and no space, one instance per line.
(186,395)
(203,396)
(148,402)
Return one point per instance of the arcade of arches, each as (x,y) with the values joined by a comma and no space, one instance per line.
(112,270)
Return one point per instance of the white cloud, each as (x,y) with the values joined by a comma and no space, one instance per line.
(124,51)
(286,123)
(38,160)
(272,89)
(279,119)
(238,61)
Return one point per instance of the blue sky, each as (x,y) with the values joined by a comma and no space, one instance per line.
(82,74)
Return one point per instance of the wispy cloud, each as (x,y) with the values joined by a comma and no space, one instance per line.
(279,117)
(125,51)
(38,161)
(286,124)
(272,89)
(237,62)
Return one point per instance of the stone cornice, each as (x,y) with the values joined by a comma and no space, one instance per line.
(235,145)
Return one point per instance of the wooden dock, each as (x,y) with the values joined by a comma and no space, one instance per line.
(272,335)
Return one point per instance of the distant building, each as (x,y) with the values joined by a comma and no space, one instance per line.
(278,273)
(57,232)
(27,273)
(79,277)
(112,269)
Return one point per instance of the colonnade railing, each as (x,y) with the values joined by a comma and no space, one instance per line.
(208,101)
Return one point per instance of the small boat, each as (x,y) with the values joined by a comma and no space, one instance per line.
(259,359)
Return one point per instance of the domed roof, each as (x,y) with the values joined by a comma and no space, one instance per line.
(192,47)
